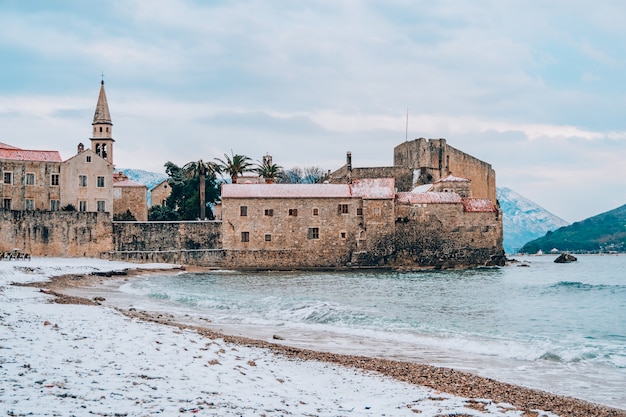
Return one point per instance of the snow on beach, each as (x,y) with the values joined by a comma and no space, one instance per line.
(67,359)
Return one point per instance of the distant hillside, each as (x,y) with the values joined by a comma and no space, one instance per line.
(523,220)
(602,233)
(147,178)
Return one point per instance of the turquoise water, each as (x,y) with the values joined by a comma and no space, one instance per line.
(557,327)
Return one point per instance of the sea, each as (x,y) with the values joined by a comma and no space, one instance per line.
(560,328)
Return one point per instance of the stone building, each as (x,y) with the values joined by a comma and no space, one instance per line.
(41,180)
(363,224)
(129,197)
(422,161)
(159,194)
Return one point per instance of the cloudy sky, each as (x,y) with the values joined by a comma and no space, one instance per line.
(534,88)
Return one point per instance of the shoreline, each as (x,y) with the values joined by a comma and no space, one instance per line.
(442,379)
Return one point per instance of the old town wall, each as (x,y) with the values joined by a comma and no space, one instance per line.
(64,234)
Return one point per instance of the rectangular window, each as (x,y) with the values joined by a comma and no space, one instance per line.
(245,236)
(100,182)
(376,211)
(268,238)
(314,233)
(243,210)
(269,212)
(54,179)
(8,178)
(6,203)
(82,206)
(343,235)
(342,208)
(82,180)
(30,178)
(316,212)
(30,204)
(359,211)
(293,212)
(88,159)
(101,206)
(54,205)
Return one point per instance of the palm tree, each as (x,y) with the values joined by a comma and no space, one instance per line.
(234,165)
(268,170)
(200,169)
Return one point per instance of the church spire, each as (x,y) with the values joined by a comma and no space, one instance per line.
(102,139)
(102,115)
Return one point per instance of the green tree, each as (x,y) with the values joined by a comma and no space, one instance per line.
(184,198)
(234,165)
(201,170)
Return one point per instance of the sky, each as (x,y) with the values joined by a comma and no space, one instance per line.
(536,89)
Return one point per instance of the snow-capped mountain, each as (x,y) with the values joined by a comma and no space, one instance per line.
(147,178)
(523,220)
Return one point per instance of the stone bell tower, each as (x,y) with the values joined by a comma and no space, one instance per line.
(102,139)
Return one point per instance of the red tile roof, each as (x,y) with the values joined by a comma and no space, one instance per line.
(16,154)
(374,188)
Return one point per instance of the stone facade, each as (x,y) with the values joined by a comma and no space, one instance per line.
(159,193)
(87,182)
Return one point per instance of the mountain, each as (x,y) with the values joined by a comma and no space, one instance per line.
(523,220)
(147,178)
(605,232)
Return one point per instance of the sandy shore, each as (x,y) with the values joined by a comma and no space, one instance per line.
(477,395)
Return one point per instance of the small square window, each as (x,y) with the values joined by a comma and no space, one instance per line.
(343,235)
(7,178)
(101,182)
(376,211)
(316,212)
(243,210)
(269,212)
(245,236)
(343,208)
(30,178)
(314,233)
(293,212)
(54,179)
(268,238)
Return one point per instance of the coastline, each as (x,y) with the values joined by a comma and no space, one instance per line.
(473,388)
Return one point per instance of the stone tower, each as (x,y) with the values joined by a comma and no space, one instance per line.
(102,139)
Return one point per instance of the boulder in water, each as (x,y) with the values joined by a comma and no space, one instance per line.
(565,258)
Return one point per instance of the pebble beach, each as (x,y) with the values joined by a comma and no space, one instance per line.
(68,355)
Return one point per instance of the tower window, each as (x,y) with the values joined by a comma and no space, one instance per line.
(100,129)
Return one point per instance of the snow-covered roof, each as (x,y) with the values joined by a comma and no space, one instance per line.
(452,178)
(422,188)
(428,198)
(374,188)
(17,154)
(479,205)
(286,191)
(367,188)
